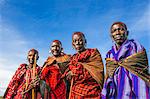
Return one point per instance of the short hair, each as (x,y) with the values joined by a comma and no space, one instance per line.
(78,33)
(57,41)
(121,23)
(34,51)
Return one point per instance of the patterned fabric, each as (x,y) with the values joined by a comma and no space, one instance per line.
(124,84)
(20,82)
(84,85)
(136,64)
(51,73)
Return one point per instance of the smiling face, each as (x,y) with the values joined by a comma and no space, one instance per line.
(78,42)
(31,56)
(119,33)
(56,48)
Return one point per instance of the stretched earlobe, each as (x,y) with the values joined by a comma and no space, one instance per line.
(62,50)
(73,46)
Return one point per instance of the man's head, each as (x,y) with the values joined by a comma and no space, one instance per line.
(56,48)
(78,41)
(119,32)
(31,56)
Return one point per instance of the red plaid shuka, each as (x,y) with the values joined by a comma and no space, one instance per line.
(19,83)
(88,79)
(51,73)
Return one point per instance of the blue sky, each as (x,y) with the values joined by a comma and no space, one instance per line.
(26,24)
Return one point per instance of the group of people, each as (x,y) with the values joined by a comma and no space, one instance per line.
(81,76)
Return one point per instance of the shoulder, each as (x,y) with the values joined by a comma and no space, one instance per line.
(67,56)
(110,52)
(50,60)
(134,41)
(22,66)
(136,45)
(93,50)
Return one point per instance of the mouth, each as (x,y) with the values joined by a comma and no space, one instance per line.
(56,52)
(78,47)
(31,61)
(118,37)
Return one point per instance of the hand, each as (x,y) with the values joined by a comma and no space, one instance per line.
(35,81)
(69,75)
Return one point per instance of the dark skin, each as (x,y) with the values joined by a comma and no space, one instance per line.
(119,34)
(56,49)
(78,42)
(31,57)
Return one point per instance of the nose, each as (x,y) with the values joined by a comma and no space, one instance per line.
(77,42)
(117,31)
(32,56)
(55,47)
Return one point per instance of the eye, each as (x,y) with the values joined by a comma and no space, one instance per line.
(114,30)
(75,41)
(122,29)
(80,40)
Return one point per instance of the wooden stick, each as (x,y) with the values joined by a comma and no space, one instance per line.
(70,88)
(33,76)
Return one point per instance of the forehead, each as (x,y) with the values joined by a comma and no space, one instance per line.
(118,26)
(77,36)
(55,43)
(31,52)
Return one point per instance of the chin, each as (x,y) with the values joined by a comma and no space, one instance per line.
(55,54)
(31,62)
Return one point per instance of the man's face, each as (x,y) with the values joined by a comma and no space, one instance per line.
(56,48)
(78,42)
(118,33)
(31,56)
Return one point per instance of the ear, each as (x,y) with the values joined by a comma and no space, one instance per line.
(73,45)
(85,41)
(37,57)
(62,49)
(127,32)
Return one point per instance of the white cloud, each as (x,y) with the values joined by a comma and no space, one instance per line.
(4,79)
(13,51)
(142,24)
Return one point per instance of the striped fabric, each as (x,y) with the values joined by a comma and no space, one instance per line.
(124,84)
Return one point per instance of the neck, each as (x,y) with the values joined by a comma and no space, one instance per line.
(80,51)
(118,45)
(56,56)
(30,65)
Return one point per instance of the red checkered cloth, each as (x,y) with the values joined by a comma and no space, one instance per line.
(18,82)
(51,73)
(85,84)
(52,76)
